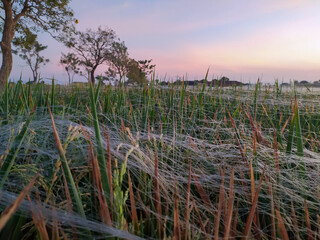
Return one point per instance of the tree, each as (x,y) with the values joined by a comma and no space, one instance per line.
(146,66)
(20,17)
(118,60)
(70,63)
(30,52)
(135,75)
(224,79)
(137,71)
(91,48)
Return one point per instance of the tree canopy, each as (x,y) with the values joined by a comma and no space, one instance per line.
(91,48)
(138,71)
(30,52)
(118,61)
(70,63)
(21,18)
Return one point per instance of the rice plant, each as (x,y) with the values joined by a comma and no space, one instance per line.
(176,162)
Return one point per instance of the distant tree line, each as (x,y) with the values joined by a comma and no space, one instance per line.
(223,81)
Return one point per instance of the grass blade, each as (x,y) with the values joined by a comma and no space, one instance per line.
(38,219)
(187,213)
(290,136)
(205,198)
(273,225)
(66,169)
(157,196)
(10,210)
(247,230)
(310,237)
(298,130)
(220,205)
(16,145)
(295,222)
(6,104)
(283,231)
(230,207)
(200,220)
(101,156)
(176,233)
(255,99)
(133,205)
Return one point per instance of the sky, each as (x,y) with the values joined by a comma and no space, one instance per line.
(243,40)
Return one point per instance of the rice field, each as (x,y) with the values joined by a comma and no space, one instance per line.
(102,162)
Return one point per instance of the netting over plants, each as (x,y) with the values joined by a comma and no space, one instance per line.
(179,162)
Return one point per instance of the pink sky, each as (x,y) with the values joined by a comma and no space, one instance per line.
(243,40)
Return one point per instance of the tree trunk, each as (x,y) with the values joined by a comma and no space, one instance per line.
(92,80)
(35,78)
(92,77)
(6,66)
(7,36)
(120,76)
(69,77)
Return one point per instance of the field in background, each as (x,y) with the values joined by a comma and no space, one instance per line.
(164,163)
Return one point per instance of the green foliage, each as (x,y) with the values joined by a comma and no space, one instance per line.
(118,60)
(70,63)
(146,66)
(173,142)
(135,74)
(20,22)
(90,48)
(30,51)
(33,15)
(93,97)
(16,145)
(139,70)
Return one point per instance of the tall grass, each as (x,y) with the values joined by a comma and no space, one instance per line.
(176,162)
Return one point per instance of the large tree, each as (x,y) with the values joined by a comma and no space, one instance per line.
(91,48)
(20,17)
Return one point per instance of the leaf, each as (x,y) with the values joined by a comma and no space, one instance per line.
(16,145)
(290,136)
(298,129)
(176,219)
(157,196)
(133,205)
(283,231)
(10,210)
(100,149)
(202,192)
(187,214)
(247,229)
(66,169)
(230,207)
(310,237)
(220,205)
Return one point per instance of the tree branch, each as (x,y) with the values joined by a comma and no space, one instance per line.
(22,13)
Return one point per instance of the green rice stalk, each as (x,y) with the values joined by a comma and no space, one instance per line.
(52,95)
(100,150)
(16,145)
(76,195)
(96,95)
(255,99)
(290,136)
(6,103)
(298,130)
